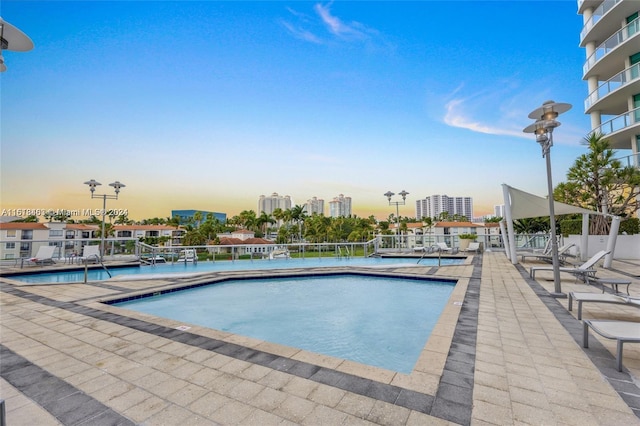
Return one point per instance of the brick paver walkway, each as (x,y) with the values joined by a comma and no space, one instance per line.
(506,355)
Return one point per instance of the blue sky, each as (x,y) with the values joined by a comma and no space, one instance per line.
(208,105)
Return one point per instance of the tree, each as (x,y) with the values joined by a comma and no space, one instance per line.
(298,215)
(123,219)
(263,221)
(248,219)
(597,181)
(197,218)
(31,218)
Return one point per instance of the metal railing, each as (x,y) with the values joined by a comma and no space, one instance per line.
(630,30)
(614,83)
(618,123)
(155,254)
(630,160)
(601,10)
(381,244)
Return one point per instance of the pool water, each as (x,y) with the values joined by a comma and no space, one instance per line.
(378,321)
(244,265)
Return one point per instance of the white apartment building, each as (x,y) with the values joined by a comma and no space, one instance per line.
(273,202)
(435,205)
(314,205)
(611,39)
(340,206)
(22,239)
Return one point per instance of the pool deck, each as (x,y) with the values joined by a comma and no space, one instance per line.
(503,352)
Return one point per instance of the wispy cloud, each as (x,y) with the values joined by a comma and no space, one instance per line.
(339,28)
(323,26)
(502,110)
(496,110)
(301,33)
(458,114)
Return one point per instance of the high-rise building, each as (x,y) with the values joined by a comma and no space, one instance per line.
(314,205)
(498,210)
(611,38)
(275,201)
(435,205)
(340,206)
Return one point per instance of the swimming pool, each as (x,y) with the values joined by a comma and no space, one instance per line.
(379,321)
(180,269)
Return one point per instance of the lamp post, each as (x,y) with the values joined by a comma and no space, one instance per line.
(545,117)
(403,194)
(92,187)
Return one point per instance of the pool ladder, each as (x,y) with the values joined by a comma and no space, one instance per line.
(346,249)
(86,268)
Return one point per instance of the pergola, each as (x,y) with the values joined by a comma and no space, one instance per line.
(519,204)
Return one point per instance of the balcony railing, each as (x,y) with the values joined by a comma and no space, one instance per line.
(611,43)
(618,123)
(597,14)
(617,81)
(630,160)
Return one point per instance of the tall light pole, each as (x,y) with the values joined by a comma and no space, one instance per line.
(403,194)
(92,187)
(545,117)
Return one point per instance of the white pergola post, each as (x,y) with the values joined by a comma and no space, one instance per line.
(611,244)
(584,238)
(510,247)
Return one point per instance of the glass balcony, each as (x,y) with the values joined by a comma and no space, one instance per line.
(597,14)
(619,123)
(617,81)
(630,160)
(611,43)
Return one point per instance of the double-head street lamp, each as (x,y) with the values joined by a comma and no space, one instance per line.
(403,194)
(92,187)
(545,117)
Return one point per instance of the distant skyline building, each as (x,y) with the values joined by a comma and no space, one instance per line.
(498,211)
(340,206)
(435,205)
(314,205)
(186,215)
(273,202)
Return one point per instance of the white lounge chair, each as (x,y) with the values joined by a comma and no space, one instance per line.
(586,297)
(620,331)
(188,255)
(474,247)
(90,254)
(43,256)
(562,252)
(581,271)
(445,248)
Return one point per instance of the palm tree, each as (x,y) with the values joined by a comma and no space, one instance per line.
(123,219)
(197,218)
(248,219)
(298,215)
(263,220)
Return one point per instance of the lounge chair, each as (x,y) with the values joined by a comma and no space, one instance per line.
(621,331)
(474,247)
(562,253)
(581,271)
(43,256)
(90,253)
(445,248)
(188,255)
(586,297)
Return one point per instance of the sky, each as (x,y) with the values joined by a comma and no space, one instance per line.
(207,105)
